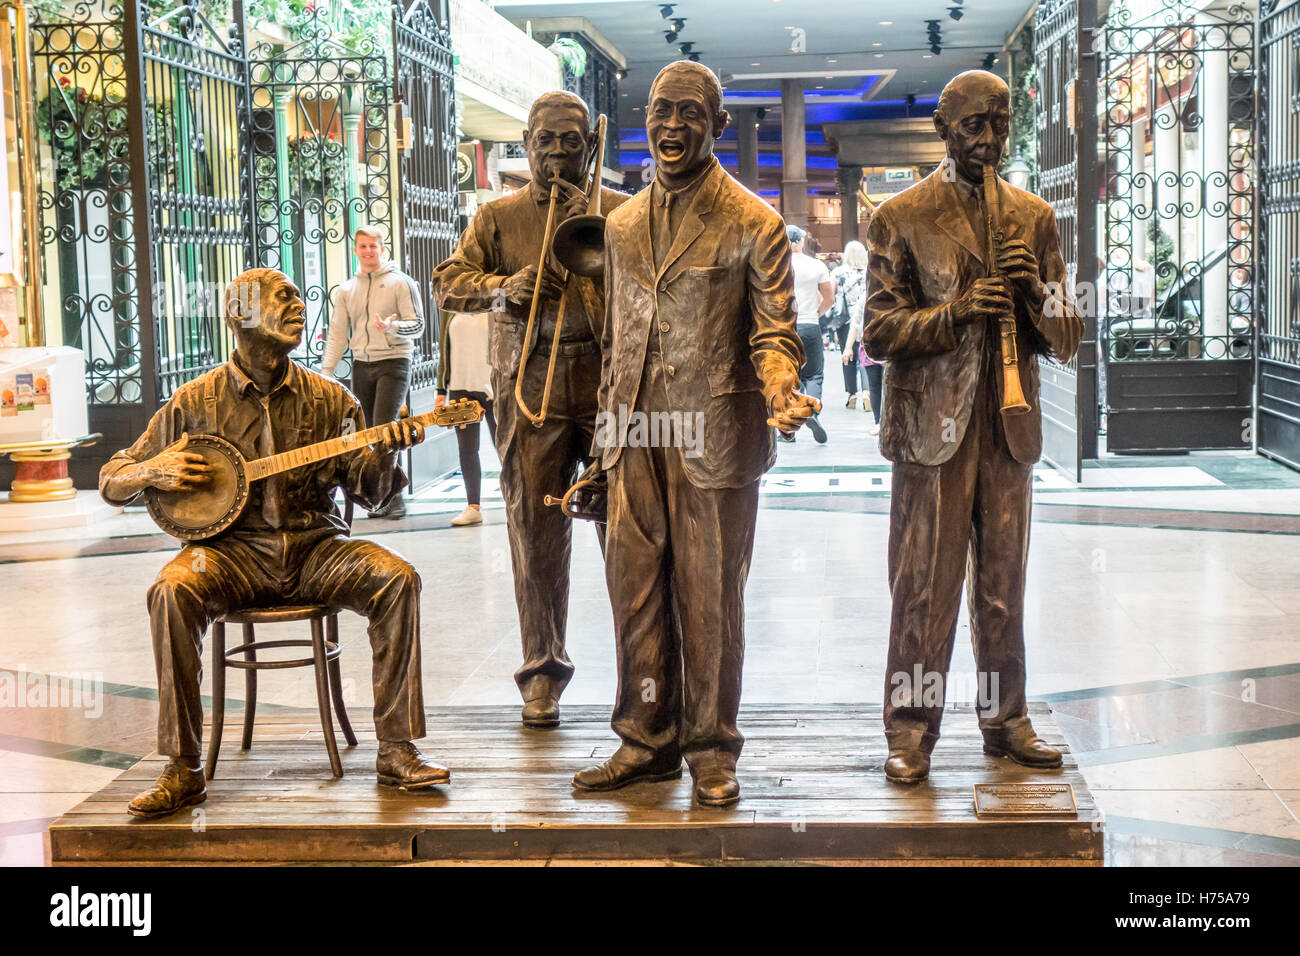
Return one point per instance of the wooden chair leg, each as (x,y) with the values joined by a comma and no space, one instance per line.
(250,688)
(218,696)
(323,694)
(336,681)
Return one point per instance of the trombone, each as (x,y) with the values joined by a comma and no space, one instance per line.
(578,246)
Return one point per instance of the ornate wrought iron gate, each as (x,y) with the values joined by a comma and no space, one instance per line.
(1067,127)
(190,237)
(1179,293)
(427,184)
(1278,429)
(317,109)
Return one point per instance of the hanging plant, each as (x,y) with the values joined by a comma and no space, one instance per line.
(572,56)
(318,167)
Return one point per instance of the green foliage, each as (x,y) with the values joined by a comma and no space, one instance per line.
(1024,90)
(317,168)
(572,57)
(1162,250)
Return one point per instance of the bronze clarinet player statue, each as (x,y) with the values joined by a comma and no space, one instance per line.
(965,290)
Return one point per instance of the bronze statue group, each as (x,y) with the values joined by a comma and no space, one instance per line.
(692,320)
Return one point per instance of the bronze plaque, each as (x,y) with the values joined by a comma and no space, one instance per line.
(1025,799)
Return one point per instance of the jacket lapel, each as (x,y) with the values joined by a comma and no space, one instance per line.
(951,219)
(693,222)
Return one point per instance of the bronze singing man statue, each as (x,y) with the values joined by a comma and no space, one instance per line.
(494,269)
(962,461)
(289,547)
(699,349)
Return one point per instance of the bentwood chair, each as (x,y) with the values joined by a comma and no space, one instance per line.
(324,644)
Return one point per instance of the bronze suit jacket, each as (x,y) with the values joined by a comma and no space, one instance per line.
(923,255)
(723,294)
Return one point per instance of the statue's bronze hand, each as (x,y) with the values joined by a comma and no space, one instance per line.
(175,469)
(986,299)
(788,408)
(519,287)
(1017,262)
(572,200)
(398,435)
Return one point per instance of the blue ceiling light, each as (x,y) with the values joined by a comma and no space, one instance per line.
(666,10)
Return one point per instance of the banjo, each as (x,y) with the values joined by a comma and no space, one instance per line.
(200,514)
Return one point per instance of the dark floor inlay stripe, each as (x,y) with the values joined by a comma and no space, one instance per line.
(57,750)
(1170,683)
(1186,745)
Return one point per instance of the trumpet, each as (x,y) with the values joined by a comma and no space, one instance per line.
(570,246)
(1013,396)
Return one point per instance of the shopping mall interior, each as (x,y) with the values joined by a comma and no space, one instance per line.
(158,150)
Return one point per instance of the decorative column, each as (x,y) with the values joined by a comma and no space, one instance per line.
(747,148)
(848,179)
(351,150)
(282,181)
(794,155)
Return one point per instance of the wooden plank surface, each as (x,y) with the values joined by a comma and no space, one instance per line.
(811,777)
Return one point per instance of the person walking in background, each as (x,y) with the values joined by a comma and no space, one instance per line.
(465,372)
(850,297)
(379,316)
(814,292)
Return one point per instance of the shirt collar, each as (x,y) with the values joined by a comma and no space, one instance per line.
(541,194)
(242,383)
(661,193)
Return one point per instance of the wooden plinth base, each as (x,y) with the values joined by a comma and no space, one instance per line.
(812,790)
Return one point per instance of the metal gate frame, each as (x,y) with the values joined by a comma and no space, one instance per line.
(427,196)
(1171,384)
(1066,124)
(1277,351)
(301,221)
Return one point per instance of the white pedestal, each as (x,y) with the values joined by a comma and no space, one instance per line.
(78,512)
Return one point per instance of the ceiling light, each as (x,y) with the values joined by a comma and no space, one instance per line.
(666,10)
(955,13)
(670,36)
(936,49)
(694,58)
(755,64)
(679,24)
(831,59)
(877,55)
(686,48)
(886,23)
(877,43)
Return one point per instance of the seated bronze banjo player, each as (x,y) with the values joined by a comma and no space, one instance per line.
(242,464)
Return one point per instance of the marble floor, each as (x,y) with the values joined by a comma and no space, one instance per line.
(1162,625)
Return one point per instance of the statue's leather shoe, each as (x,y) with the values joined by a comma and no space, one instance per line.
(716,787)
(1023,746)
(179,786)
(619,771)
(907,766)
(401,765)
(541,712)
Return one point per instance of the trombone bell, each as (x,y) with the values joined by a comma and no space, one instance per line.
(579,245)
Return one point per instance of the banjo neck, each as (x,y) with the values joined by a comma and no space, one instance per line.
(451,414)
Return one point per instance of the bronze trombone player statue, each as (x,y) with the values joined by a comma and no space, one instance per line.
(700,331)
(966,288)
(546,413)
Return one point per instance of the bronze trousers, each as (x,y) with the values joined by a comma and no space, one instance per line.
(676,561)
(249,569)
(536,462)
(966,518)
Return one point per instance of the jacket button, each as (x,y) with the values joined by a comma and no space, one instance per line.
(663,326)
(670,370)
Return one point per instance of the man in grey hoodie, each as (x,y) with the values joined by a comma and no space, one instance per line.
(377,314)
